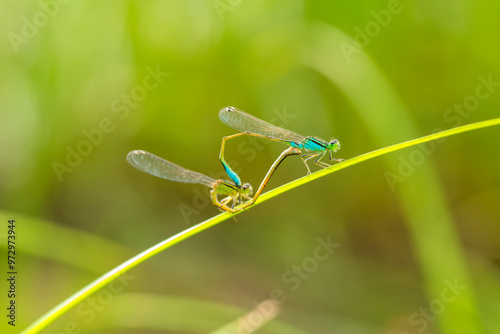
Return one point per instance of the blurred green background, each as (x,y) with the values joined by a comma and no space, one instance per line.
(77,77)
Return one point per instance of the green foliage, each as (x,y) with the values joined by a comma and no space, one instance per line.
(136,260)
(96,80)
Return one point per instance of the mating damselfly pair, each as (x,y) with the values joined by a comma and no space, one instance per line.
(235,192)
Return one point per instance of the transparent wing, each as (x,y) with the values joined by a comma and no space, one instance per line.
(156,166)
(243,122)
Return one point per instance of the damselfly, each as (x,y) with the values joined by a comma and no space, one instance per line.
(156,166)
(253,126)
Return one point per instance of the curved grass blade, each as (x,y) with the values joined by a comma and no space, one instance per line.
(93,287)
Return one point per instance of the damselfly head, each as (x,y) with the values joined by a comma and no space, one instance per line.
(247,187)
(334,145)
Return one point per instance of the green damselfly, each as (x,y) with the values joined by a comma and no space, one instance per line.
(151,164)
(253,126)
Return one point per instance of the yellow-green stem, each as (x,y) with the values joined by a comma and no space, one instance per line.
(94,286)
